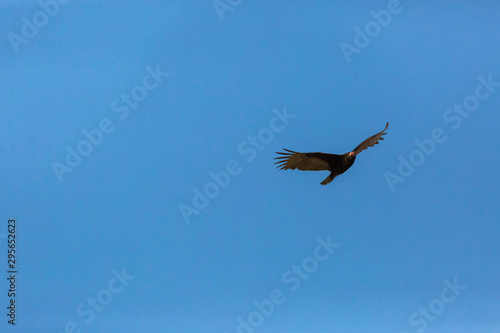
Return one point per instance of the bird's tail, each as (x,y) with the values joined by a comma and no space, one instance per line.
(328,179)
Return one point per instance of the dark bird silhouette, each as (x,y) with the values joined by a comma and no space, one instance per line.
(336,164)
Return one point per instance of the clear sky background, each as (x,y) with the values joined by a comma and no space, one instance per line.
(118,211)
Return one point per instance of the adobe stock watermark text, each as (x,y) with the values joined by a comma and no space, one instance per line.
(453,116)
(88,310)
(420,320)
(248,148)
(292,278)
(223,6)
(32,25)
(94,137)
(363,36)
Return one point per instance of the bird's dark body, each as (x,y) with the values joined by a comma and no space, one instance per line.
(336,164)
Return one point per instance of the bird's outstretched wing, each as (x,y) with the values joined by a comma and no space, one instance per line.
(370,142)
(306,161)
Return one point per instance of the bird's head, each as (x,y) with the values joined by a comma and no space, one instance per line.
(351,154)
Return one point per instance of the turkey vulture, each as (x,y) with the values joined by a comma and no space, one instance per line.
(336,164)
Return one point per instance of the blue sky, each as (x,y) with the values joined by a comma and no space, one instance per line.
(150,101)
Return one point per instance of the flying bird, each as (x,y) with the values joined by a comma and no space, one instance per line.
(336,164)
